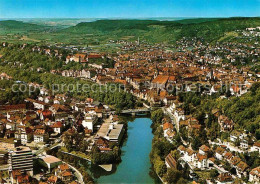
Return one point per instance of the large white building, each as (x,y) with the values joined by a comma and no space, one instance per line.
(89,121)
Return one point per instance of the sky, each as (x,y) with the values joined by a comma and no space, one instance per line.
(127,8)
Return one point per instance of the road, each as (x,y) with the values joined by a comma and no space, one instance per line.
(232,148)
(173,118)
(78,174)
(56,143)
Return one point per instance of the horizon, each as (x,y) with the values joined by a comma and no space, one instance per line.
(125,18)
(125,9)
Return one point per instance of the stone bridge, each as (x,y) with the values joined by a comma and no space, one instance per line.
(136,111)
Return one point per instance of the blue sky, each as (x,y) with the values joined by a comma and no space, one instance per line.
(127,8)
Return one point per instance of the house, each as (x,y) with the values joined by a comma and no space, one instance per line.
(228,156)
(60,112)
(57,127)
(244,143)
(66,176)
(89,121)
(103,144)
(166,127)
(44,91)
(37,104)
(256,147)
(45,114)
(189,155)
(181,149)
(6,144)
(168,100)
(225,123)
(17,176)
(61,168)
(57,108)
(201,161)
(254,175)
(80,58)
(241,169)
(235,135)
(225,178)
(12,108)
(219,152)
(160,81)
(52,179)
(234,161)
(215,112)
(5,76)
(204,150)
(170,162)
(193,125)
(179,114)
(25,134)
(40,136)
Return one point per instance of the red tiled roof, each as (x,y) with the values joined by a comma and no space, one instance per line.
(204,148)
(64,167)
(160,79)
(39,132)
(57,125)
(171,161)
(167,125)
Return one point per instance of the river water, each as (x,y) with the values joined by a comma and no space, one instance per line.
(135,166)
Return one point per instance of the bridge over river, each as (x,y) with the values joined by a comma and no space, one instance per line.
(136,111)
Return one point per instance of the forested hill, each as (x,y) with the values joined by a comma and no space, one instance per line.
(12,26)
(164,31)
(102,31)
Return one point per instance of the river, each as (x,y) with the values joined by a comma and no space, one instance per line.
(135,166)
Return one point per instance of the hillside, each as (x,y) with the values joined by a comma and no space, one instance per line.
(163,31)
(12,26)
(152,31)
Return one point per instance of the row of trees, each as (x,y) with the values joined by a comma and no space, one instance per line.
(106,157)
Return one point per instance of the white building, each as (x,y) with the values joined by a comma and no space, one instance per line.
(254,175)
(189,155)
(89,121)
(256,147)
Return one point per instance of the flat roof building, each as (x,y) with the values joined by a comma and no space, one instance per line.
(110,131)
(21,158)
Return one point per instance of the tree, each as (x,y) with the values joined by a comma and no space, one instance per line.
(182,181)
(172,176)
(196,143)
(160,167)
(257,134)
(157,116)
(213,173)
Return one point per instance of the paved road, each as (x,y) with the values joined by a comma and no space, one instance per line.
(173,118)
(78,174)
(232,148)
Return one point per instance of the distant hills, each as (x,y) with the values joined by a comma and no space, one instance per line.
(13,26)
(164,31)
(154,31)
